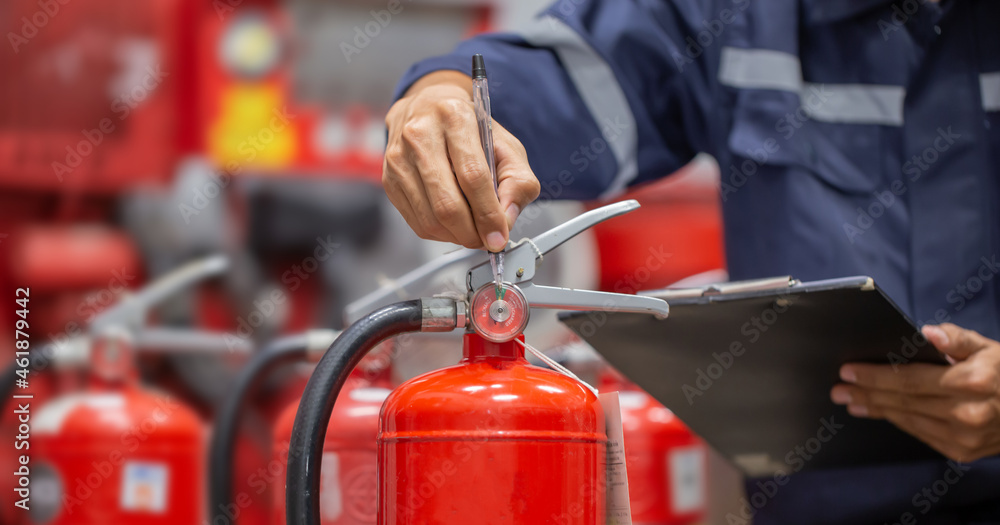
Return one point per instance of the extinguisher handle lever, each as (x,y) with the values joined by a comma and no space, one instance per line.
(589,300)
(551,239)
(523,257)
(132,310)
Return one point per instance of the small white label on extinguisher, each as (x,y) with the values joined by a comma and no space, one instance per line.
(329,488)
(144,487)
(687,478)
(619,511)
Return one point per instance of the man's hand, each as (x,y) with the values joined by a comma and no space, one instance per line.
(954,409)
(435,171)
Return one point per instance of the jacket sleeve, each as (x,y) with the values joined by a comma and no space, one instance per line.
(602,93)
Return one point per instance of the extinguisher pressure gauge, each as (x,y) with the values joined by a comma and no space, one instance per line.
(499,317)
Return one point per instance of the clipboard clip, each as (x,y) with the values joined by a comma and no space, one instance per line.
(750,285)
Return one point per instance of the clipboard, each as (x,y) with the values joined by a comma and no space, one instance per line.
(749,366)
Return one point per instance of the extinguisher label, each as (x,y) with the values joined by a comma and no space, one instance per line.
(619,511)
(369,395)
(329,488)
(144,487)
(687,478)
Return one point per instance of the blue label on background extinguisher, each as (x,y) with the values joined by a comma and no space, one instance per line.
(144,487)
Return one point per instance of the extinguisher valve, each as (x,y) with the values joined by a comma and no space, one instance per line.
(500,316)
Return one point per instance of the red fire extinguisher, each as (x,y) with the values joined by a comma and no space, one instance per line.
(350,480)
(349,454)
(116,453)
(666,461)
(349,484)
(491,440)
(227,502)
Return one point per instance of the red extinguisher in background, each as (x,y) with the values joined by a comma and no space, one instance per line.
(666,461)
(69,358)
(117,452)
(348,486)
(227,503)
(351,455)
(491,440)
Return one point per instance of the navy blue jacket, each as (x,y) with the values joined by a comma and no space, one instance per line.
(853,137)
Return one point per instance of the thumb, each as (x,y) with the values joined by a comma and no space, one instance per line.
(954,341)
(517,185)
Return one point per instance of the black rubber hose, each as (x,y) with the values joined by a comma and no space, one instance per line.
(222,449)
(7,381)
(305,453)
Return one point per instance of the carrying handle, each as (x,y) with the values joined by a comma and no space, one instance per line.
(524,257)
(132,310)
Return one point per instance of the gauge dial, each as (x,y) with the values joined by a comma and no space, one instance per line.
(499,319)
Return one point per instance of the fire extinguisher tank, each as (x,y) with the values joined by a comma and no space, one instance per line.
(349,473)
(119,455)
(493,440)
